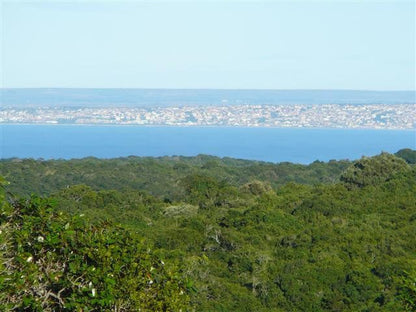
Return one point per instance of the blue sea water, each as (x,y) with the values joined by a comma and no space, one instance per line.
(266,144)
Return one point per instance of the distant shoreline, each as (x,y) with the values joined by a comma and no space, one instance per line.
(202,126)
(401,116)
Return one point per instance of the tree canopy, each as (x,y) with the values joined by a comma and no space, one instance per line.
(343,240)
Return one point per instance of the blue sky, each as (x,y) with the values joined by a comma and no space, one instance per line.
(209,44)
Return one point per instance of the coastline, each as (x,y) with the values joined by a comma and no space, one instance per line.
(200,126)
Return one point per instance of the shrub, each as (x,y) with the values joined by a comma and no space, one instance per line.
(373,170)
(54,262)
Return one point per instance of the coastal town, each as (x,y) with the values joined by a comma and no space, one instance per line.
(368,116)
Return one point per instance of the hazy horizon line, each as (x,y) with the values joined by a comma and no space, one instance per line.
(225,89)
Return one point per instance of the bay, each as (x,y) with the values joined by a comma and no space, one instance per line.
(298,145)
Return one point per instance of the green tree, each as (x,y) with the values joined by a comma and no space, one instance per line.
(373,170)
(408,155)
(54,262)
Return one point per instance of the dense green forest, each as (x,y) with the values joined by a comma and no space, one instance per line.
(208,234)
(157,176)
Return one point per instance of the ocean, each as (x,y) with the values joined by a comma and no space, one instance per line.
(67,97)
(265,144)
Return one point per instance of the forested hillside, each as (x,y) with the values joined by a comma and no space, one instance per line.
(158,176)
(209,234)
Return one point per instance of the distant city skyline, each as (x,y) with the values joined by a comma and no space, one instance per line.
(365,45)
(330,116)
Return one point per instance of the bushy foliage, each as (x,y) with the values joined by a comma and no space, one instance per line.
(373,170)
(246,246)
(408,155)
(55,262)
(407,290)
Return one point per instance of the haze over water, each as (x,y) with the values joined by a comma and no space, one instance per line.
(58,97)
